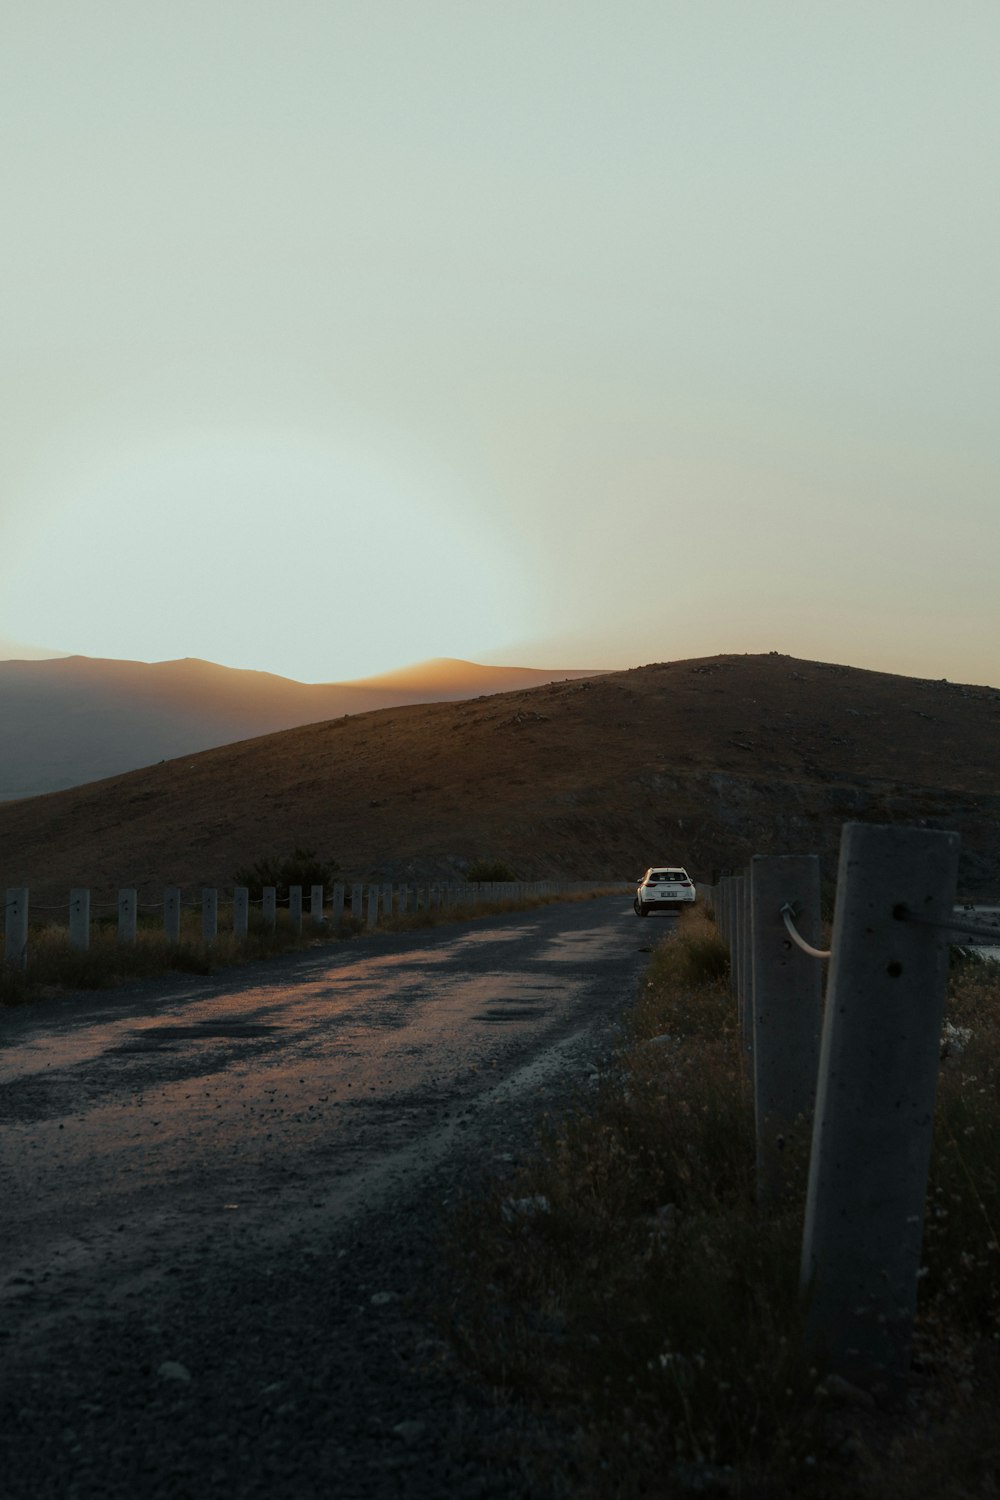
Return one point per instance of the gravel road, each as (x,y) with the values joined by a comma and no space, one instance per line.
(223,1201)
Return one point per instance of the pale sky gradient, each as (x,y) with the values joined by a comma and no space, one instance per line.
(340,335)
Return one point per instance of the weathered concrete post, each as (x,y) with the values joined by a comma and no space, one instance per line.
(295,907)
(404,899)
(241,913)
(316,905)
(128,907)
(358,902)
(879,1059)
(15,945)
(269,906)
(386,900)
(373,906)
(337,904)
(209,914)
(79,917)
(172,913)
(787,997)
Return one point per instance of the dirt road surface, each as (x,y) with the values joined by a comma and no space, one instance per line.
(221,1197)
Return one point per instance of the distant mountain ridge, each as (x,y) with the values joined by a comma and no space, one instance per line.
(69,720)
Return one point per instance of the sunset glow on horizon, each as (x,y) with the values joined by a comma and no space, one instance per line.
(342,338)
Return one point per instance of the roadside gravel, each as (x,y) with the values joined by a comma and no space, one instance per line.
(298,1364)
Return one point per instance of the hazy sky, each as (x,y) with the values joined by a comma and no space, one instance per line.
(335,335)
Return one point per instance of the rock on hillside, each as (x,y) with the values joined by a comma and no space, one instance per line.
(702,761)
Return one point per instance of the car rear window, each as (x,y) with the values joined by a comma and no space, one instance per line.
(666,875)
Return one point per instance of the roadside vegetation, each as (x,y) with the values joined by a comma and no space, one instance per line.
(624,1285)
(53,967)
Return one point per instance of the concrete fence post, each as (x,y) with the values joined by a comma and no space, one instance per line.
(295,907)
(879,1059)
(79,918)
(358,902)
(373,906)
(337,904)
(15,945)
(209,914)
(172,913)
(386,900)
(269,906)
(404,899)
(787,995)
(241,913)
(128,907)
(316,905)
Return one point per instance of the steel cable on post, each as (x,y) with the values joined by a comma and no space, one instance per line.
(989,934)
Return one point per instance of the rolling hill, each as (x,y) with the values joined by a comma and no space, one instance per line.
(704,762)
(75,719)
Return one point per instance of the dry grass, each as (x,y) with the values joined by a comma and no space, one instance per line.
(54,967)
(626,1282)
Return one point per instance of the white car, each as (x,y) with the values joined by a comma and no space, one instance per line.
(663,888)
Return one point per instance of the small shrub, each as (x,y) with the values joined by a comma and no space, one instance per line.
(302,867)
(488,871)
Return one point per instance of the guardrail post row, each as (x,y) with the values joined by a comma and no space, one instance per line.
(172,913)
(316,905)
(373,906)
(15,943)
(386,900)
(879,1059)
(128,907)
(787,996)
(358,902)
(295,906)
(269,906)
(79,918)
(209,914)
(241,912)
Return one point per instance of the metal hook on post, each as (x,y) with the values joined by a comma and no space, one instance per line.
(788,911)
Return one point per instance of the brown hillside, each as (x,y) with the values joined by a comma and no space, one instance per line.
(77,719)
(703,762)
